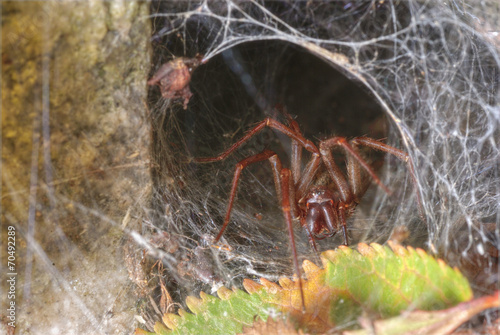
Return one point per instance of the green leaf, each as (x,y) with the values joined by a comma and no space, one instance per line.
(386,282)
(374,279)
(224,315)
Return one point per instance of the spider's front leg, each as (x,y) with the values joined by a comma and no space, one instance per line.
(268,122)
(276,167)
(298,140)
(287,201)
(285,190)
(349,193)
(399,154)
(310,237)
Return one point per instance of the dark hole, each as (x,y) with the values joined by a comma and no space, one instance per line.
(231,93)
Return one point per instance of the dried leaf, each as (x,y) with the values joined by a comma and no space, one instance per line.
(428,323)
(279,326)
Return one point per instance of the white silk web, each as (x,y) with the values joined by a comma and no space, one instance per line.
(423,74)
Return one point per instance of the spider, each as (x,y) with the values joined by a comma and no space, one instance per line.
(174,76)
(306,195)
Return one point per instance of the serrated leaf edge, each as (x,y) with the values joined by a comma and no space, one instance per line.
(372,250)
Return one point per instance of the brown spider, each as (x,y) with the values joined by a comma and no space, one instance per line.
(174,76)
(321,211)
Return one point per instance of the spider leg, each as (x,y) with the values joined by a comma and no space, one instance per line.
(308,175)
(296,158)
(343,222)
(336,173)
(357,180)
(377,145)
(275,165)
(311,241)
(401,155)
(296,155)
(302,182)
(268,122)
(285,203)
